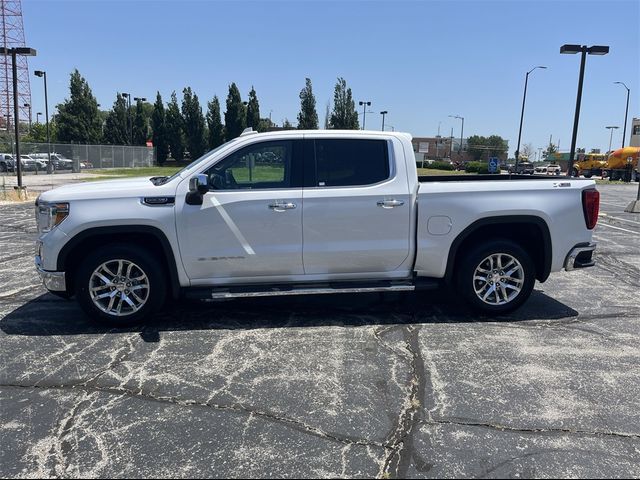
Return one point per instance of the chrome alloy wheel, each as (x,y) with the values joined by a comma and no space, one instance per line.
(498,279)
(119,287)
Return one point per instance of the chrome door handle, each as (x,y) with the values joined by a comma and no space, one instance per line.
(282,206)
(390,203)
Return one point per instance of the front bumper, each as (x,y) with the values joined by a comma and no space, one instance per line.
(53,281)
(580,256)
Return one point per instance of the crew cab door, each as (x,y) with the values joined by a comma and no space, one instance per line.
(357,207)
(250,223)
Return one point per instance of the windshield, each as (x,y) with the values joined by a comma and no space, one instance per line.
(206,156)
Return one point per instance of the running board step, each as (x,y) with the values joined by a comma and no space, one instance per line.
(218,293)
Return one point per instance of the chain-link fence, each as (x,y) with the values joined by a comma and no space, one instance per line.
(67,157)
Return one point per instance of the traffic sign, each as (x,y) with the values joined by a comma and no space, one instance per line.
(493,165)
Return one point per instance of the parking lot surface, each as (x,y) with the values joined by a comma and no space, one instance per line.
(393,385)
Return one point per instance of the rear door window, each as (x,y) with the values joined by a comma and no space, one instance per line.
(350,162)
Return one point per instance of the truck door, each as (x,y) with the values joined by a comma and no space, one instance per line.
(250,222)
(357,207)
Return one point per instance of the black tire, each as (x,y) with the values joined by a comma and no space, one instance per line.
(588,175)
(474,259)
(3,167)
(575,173)
(143,261)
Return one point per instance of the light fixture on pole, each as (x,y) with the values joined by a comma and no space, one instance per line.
(583,50)
(611,129)
(524,98)
(28,105)
(626,113)
(130,123)
(16,112)
(364,112)
(43,74)
(38,117)
(383,113)
(461,133)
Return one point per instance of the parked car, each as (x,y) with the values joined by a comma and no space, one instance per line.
(540,169)
(227,226)
(554,169)
(31,164)
(523,168)
(7,163)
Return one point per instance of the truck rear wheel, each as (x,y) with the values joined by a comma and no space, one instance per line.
(120,285)
(496,277)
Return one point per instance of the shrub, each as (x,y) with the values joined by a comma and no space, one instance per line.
(439,166)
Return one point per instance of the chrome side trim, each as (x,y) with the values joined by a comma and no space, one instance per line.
(570,262)
(53,281)
(311,291)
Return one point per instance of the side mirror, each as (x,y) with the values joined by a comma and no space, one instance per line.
(198,186)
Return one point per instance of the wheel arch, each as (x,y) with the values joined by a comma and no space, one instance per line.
(532,232)
(150,238)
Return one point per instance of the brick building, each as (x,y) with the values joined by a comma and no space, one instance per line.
(440,149)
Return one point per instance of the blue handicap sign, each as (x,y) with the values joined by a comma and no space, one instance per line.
(493,164)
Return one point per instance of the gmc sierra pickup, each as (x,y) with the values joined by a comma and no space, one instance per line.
(309,212)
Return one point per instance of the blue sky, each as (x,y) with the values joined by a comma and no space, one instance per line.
(420,60)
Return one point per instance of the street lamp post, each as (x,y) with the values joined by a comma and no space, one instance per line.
(461,134)
(524,98)
(626,113)
(128,97)
(137,99)
(611,128)
(16,113)
(38,117)
(364,112)
(43,74)
(383,113)
(28,105)
(583,50)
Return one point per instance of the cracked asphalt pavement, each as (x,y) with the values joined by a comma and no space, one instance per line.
(370,385)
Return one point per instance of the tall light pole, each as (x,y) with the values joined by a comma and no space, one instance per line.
(137,99)
(626,113)
(28,105)
(524,99)
(383,113)
(43,74)
(583,50)
(16,112)
(38,117)
(461,134)
(612,128)
(364,112)
(128,97)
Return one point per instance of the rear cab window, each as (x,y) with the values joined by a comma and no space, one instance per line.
(349,162)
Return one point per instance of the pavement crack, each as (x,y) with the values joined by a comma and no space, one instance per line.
(507,428)
(236,407)
(399,444)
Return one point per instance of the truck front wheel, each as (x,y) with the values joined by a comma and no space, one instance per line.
(496,277)
(120,285)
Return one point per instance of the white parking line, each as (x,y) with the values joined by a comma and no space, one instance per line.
(621,219)
(618,228)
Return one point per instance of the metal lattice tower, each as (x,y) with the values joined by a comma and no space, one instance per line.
(12,32)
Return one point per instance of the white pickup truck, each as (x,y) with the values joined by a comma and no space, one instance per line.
(308,212)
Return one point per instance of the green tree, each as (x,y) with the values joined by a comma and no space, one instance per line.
(78,117)
(216,129)
(253,110)
(194,127)
(140,125)
(307,117)
(38,133)
(287,124)
(344,115)
(264,125)
(159,130)
(496,145)
(235,117)
(476,146)
(116,129)
(327,116)
(175,129)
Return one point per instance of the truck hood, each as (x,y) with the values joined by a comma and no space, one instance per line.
(125,188)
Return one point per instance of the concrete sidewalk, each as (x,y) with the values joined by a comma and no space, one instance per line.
(43,181)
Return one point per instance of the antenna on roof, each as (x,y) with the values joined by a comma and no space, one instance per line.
(247,131)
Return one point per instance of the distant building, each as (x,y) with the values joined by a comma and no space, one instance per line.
(440,149)
(635,133)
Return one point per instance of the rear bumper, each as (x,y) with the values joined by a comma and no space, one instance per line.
(580,256)
(53,281)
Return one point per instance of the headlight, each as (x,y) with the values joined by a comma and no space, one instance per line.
(50,215)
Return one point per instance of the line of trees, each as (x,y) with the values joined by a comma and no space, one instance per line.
(178,127)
